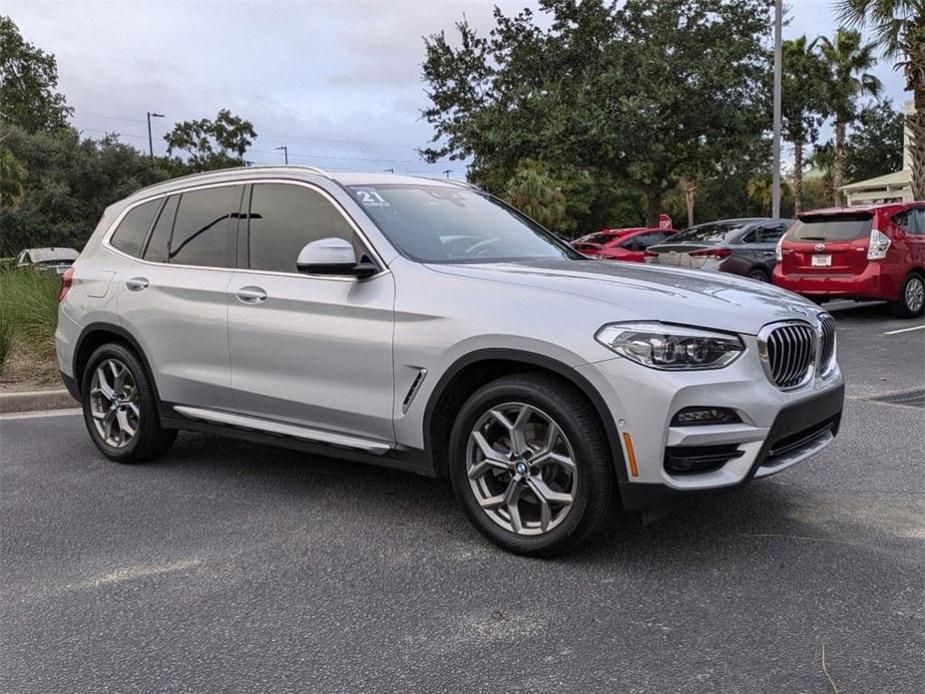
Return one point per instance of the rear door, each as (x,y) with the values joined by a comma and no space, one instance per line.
(911,240)
(825,244)
(174,298)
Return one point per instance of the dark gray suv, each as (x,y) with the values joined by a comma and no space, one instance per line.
(741,246)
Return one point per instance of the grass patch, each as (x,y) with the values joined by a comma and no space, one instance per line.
(28,315)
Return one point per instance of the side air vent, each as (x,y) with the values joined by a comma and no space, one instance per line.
(413,390)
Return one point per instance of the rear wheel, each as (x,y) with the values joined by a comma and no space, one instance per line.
(911,297)
(120,408)
(759,275)
(530,465)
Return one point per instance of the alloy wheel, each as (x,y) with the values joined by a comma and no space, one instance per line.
(114,403)
(915,294)
(521,469)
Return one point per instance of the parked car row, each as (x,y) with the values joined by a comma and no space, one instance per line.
(863,253)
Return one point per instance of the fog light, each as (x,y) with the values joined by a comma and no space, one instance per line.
(703,416)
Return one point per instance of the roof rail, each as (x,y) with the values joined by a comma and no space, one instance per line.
(205,174)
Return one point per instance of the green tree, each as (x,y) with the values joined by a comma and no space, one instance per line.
(643,93)
(212,144)
(847,57)
(803,105)
(28,78)
(823,161)
(899,28)
(534,191)
(875,145)
(12,176)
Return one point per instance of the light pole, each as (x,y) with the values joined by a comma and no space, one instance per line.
(447,172)
(285,153)
(150,141)
(775,174)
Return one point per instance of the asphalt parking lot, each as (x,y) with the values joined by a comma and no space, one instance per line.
(230,567)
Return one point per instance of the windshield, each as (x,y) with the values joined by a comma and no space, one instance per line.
(844,227)
(438,224)
(714,232)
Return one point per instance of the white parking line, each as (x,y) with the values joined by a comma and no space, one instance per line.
(40,413)
(905,330)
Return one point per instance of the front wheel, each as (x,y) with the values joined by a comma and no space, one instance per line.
(530,464)
(120,407)
(911,297)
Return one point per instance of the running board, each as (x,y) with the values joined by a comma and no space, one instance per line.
(304,433)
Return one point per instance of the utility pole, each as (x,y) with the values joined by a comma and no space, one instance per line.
(285,153)
(447,172)
(775,174)
(150,141)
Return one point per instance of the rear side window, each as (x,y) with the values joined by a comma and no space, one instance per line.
(160,236)
(285,218)
(913,221)
(204,230)
(133,229)
(830,227)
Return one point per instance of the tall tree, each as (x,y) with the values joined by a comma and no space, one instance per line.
(823,161)
(534,191)
(847,58)
(646,93)
(899,28)
(28,79)
(875,145)
(803,104)
(12,177)
(212,144)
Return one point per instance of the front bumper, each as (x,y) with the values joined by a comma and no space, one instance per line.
(778,429)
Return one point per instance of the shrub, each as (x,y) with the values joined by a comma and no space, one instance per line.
(28,313)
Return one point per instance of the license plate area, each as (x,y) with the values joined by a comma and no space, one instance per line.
(822,261)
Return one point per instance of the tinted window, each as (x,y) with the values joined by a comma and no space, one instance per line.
(712,232)
(831,227)
(203,233)
(160,237)
(913,221)
(434,223)
(284,218)
(597,238)
(133,229)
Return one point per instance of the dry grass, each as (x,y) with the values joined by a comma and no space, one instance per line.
(28,316)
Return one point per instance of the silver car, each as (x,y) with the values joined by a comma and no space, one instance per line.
(426,326)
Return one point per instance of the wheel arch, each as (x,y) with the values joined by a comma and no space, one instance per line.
(93,336)
(471,371)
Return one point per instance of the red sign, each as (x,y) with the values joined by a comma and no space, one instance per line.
(664,221)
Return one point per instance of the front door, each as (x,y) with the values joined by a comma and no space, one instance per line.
(307,350)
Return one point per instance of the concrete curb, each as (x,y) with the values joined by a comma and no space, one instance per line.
(31,400)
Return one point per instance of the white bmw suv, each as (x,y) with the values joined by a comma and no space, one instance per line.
(425,325)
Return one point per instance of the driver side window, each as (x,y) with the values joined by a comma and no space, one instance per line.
(283,219)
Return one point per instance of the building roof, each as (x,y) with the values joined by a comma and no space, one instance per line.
(899,179)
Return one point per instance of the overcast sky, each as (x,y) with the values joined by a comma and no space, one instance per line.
(338,82)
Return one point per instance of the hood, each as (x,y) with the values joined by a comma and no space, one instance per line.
(649,292)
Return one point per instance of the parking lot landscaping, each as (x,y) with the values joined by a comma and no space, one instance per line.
(228,566)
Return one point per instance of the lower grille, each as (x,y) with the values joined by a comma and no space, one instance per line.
(685,460)
(794,442)
(791,354)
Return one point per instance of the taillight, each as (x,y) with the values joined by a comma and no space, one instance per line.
(879,245)
(712,253)
(67,279)
(779,253)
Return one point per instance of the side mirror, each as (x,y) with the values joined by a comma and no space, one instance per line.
(333,256)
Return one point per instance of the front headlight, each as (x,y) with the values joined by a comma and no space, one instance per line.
(670,347)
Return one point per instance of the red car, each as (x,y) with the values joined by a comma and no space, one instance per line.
(621,244)
(874,252)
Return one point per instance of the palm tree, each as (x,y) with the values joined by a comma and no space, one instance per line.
(803,105)
(899,28)
(823,160)
(847,58)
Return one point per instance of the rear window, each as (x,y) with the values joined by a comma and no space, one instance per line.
(714,232)
(843,227)
(595,238)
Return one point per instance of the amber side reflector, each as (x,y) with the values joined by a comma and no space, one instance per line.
(628,440)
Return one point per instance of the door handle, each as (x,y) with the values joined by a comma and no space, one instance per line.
(251,295)
(136,284)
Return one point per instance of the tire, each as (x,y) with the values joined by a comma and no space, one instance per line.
(537,529)
(759,276)
(911,302)
(117,401)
